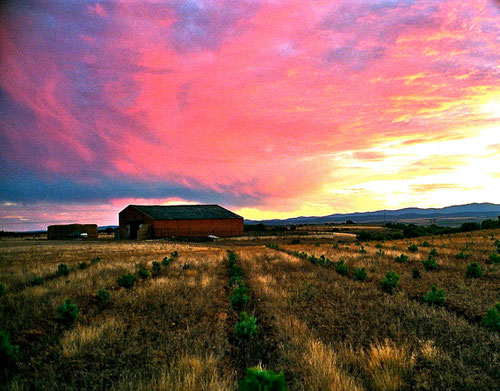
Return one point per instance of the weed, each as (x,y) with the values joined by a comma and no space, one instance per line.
(360,274)
(246,328)
(103,295)
(380,252)
(258,379)
(426,244)
(492,318)
(83,265)
(341,268)
(379,245)
(494,258)
(412,248)
(95,260)
(362,249)
(8,352)
(155,268)
(143,274)
(126,280)
(62,270)
(433,253)
(390,282)
(239,296)
(3,290)
(435,296)
(461,255)
(67,312)
(473,270)
(402,259)
(37,281)
(430,264)
(415,273)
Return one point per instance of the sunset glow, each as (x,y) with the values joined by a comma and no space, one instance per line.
(273,109)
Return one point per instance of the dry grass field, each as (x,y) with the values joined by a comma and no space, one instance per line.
(174,329)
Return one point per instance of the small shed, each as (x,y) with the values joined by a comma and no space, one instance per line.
(72,231)
(159,221)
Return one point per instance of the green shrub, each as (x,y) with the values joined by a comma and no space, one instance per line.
(474,270)
(360,274)
(67,312)
(246,328)
(362,249)
(239,296)
(341,267)
(174,255)
(155,268)
(412,248)
(390,282)
(8,352)
(257,379)
(37,281)
(402,258)
(494,258)
(103,295)
(127,280)
(433,253)
(435,296)
(83,265)
(295,241)
(379,245)
(95,260)
(492,318)
(166,261)
(415,273)
(143,274)
(62,270)
(3,290)
(426,244)
(430,264)
(461,255)
(235,280)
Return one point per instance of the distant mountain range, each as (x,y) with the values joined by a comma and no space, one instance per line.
(450,215)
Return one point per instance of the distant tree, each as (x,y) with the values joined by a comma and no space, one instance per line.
(109,230)
(469,226)
(350,222)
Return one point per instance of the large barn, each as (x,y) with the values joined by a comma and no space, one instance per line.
(147,221)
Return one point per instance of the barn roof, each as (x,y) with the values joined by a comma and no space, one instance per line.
(186,212)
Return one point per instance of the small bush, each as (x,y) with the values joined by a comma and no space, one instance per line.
(166,261)
(461,255)
(143,274)
(62,270)
(3,290)
(402,259)
(415,273)
(174,255)
(379,245)
(430,264)
(412,248)
(246,328)
(362,249)
(37,281)
(103,295)
(8,352)
(435,296)
(390,282)
(433,253)
(492,318)
(426,244)
(83,265)
(95,260)
(360,274)
(239,296)
(257,379)
(473,271)
(235,280)
(155,268)
(494,258)
(341,267)
(127,280)
(67,312)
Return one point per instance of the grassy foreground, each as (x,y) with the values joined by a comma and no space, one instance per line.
(326,325)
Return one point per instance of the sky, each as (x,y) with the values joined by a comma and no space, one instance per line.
(273,109)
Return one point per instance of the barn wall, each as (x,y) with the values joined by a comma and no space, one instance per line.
(198,228)
(131,216)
